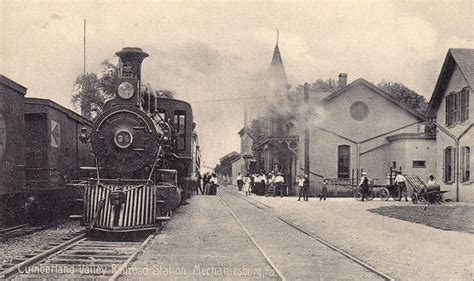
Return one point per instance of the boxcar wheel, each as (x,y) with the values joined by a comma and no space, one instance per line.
(414,198)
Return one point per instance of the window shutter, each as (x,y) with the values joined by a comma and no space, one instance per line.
(444,165)
(456,107)
(453,163)
(446,115)
(467,105)
(462,162)
(464,105)
(468,163)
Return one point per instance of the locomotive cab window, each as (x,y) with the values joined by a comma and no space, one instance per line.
(180,127)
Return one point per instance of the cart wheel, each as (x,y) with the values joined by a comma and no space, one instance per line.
(414,198)
(430,198)
(370,194)
(396,194)
(358,194)
(384,194)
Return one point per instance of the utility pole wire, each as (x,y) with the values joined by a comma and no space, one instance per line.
(236,99)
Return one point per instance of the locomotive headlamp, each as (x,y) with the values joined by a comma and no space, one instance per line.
(123,138)
(126,90)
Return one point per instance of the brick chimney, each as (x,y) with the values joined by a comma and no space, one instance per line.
(342,80)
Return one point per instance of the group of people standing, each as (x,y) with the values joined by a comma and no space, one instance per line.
(259,183)
(207,184)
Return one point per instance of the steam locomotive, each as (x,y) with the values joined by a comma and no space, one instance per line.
(146,154)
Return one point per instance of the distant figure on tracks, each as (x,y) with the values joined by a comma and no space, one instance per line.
(400,180)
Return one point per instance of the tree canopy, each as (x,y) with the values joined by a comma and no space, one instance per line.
(91,91)
(405,94)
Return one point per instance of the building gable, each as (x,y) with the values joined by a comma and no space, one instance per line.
(456,59)
(376,90)
(361,111)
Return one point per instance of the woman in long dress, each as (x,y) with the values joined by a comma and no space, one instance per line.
(247,189)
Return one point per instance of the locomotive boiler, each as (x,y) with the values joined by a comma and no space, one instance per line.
(143,145)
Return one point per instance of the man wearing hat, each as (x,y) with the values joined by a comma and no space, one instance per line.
(364,184)
(279,180)
(400,181)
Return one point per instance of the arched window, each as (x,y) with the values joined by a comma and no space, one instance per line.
(343,161)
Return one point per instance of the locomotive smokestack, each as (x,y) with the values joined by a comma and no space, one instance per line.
(131,59)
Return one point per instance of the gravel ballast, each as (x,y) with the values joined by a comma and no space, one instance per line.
(17,247)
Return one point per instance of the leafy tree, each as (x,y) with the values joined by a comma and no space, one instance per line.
(320,85)
(86,94)
(91,91)
(403,93)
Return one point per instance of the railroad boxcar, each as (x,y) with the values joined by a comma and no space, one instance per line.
(12,159)
(54,154)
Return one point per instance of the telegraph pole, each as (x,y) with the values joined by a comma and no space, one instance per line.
(84,47)
(306,130)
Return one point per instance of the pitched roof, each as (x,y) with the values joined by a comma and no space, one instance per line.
(377,90)
(277,68)
(464,59)
(229,155)
(12,84)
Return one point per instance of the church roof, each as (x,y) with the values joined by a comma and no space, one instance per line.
(277,68)
(464,59)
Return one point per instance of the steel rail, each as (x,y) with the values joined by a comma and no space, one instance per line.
(314,237)
(130,259)
(6,230)
(329,245)
(260,249)
(15,270)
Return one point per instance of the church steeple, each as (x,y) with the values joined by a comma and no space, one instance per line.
(278,72)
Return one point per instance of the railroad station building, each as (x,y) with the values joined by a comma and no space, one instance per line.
(449,105)
(361,127)
(354,127)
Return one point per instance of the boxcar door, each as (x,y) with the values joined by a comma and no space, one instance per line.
(37,145)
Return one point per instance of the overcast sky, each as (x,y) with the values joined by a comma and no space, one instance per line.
(208,51)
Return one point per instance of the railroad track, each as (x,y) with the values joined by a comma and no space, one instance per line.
(80,256)
(20,230)
(313,237)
